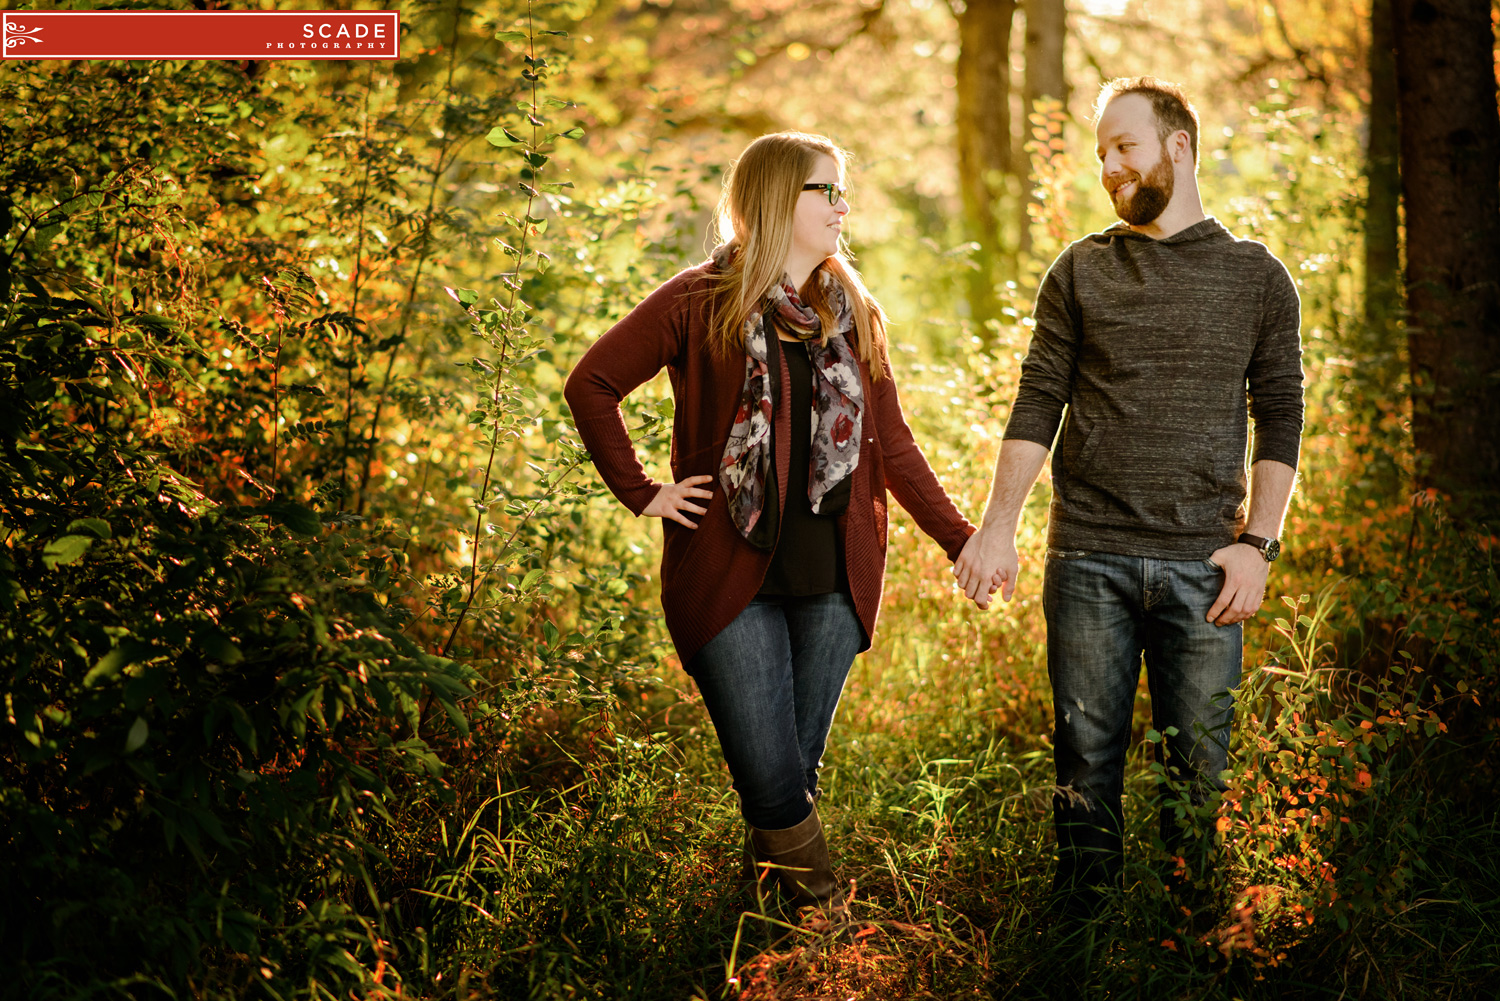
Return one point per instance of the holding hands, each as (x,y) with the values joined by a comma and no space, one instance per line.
(989,561)
(987,564)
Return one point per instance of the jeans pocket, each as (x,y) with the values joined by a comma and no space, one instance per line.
(1212,566)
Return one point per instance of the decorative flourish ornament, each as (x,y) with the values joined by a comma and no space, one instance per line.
(17,34)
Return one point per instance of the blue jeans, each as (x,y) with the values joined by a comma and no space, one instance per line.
(1104,612)
(771,681)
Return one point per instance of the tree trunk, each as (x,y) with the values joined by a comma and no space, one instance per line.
(984,140)
(1450,180)
(1046,29)
(1382,208)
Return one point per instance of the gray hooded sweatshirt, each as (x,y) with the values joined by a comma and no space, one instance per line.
(1152,347)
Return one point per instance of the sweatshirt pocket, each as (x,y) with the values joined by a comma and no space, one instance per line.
(1157,477)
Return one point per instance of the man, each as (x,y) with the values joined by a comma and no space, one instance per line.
(1150,335)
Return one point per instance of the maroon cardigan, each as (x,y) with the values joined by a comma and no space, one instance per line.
(709,575)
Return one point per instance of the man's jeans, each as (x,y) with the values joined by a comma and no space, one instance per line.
(1103,612)
(771,681)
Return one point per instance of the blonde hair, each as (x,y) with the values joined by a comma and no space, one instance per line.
(754,226)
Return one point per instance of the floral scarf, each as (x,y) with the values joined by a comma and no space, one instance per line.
(838,403)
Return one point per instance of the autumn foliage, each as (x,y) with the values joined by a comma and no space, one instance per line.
(331,670)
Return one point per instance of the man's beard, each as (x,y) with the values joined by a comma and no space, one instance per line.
(1152,193)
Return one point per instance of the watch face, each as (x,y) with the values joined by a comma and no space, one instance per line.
(1273,550)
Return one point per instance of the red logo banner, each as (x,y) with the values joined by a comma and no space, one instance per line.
(260,34)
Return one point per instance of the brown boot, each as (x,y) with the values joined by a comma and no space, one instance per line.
(799,858)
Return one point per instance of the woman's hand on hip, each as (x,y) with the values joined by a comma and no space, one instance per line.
(673,499)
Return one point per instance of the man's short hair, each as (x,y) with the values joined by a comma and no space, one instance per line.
(1174,112)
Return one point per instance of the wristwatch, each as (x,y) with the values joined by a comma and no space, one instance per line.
(1269,548)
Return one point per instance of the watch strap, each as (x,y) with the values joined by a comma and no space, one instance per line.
(1269,548)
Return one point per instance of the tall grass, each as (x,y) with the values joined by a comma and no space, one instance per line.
(602,859)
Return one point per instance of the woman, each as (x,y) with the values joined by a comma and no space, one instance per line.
(786,435)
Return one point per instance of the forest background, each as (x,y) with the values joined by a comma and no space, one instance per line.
(331,670)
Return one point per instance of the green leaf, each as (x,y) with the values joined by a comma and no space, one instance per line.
(112,663)
(501,137)
(549,631)
(217,646)
(455,714)
(98,526)
(511,36)
(65,550)
(573,133)
(462,296)
(302,520)
(137,735)
(244,729)
(665,407)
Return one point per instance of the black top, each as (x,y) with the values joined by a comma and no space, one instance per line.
(808,558)
(1144,351)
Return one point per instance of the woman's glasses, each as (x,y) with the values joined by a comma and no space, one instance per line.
(832,190)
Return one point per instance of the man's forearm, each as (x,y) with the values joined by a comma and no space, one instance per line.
(1271,485)
(989,558)
(1016,470)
